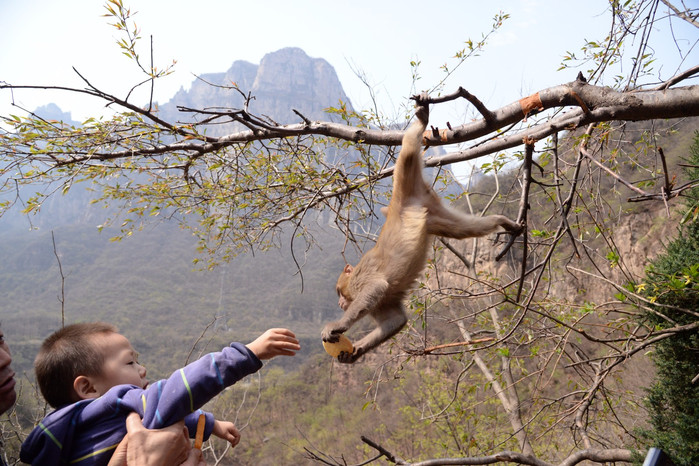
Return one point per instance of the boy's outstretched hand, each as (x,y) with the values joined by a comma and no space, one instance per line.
(275,342)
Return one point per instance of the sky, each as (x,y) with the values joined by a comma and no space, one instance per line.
(42,40)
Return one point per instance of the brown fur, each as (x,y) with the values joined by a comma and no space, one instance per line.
(383,277)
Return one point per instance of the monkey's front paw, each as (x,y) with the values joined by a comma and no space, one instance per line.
(331,332)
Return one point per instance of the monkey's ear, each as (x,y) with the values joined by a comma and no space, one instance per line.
(348,269)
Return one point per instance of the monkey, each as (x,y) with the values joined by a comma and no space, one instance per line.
(385,274)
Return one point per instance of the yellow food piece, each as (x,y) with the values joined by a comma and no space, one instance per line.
(334,349)
(201,424)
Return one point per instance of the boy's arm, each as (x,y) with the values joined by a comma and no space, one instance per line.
(189,388)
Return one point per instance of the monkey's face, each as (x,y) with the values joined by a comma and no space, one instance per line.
(342,288)
(343,302)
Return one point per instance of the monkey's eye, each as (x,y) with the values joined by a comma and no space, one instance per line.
(337,290)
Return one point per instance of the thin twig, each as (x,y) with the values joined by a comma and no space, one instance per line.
(524,207)
(201,335)
(583,150)
(389,456)
(461,257)
(62,297)
(432,349)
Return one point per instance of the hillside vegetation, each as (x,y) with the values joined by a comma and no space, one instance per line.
(148,285)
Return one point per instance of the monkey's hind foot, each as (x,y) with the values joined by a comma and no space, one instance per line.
(516,229)
(350,357)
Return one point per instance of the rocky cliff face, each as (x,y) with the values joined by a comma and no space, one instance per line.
(638,238)
(289,75)
(284,80)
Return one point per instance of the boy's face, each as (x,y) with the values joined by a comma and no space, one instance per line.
(120,363)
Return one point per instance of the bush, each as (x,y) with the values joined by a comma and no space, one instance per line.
(673,280)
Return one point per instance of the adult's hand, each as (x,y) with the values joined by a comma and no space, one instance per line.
(195,458)
(154,447)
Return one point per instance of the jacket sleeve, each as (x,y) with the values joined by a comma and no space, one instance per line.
(192,420)
(188,389)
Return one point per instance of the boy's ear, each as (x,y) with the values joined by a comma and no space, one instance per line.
(84,388)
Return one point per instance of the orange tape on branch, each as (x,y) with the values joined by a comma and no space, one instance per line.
(531,104)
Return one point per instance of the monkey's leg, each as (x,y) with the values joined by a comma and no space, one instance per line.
(407,174)
(443,221)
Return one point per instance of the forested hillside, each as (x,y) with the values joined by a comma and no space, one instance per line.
(149,286)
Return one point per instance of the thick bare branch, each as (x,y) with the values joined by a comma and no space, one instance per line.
(682,14)
(600,104)
(461,92)
(605,105)
(594,455)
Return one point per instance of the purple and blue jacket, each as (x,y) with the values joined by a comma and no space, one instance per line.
(87,432)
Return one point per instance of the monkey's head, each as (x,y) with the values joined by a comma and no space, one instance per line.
(344,298)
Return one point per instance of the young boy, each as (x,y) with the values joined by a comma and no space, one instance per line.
(90,373)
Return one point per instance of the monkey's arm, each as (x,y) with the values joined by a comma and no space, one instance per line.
(368,298)
(390,319)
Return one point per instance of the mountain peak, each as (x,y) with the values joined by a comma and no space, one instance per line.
(284,80)
(51,111)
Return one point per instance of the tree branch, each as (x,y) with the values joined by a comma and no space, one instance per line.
(590,454)
(604,104)
(681,14)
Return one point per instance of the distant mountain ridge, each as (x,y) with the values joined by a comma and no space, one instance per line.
(53,112)
(284,80)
